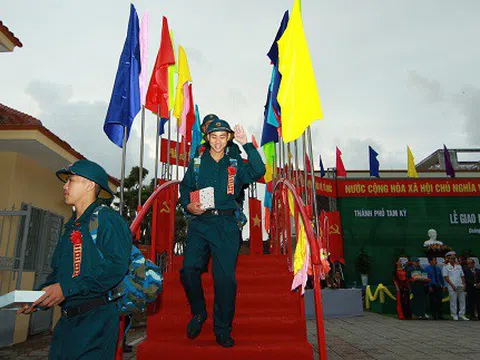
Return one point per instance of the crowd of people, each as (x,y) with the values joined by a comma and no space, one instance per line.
(456,276)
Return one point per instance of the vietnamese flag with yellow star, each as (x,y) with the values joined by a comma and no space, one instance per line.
(256,241)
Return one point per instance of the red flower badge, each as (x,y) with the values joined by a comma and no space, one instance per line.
(231,180)
(76,240)
(76,237)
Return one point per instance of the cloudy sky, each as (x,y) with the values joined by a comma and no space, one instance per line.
(390,73)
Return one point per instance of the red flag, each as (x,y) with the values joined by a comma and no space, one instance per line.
(340,167)
(308,164)
(334,235)
(256,241)
(267,220)
(190,115)
(180,159)
(163,226)
(254,142)
(157,93)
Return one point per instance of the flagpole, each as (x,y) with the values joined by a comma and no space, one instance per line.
(177,149)
(289,168)
(305,178)
(186,157)
(312,175)
(140,170)
(169,177)
(157,141)
(296,162)
(124,158)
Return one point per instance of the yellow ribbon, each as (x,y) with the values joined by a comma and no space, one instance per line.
(380,291)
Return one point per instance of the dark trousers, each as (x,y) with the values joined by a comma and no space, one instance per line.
(419,298)
(473,301)
(218,236)
(435,296)
(89,336)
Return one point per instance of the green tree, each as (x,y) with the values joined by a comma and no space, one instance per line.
(130,197)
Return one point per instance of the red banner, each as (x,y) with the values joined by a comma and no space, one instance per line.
(334,235)
(409,187)
(183,151)
(165,207)
(255,223)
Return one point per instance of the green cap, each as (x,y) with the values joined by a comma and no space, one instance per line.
(210,117)
(219,125)
(91,171)
(414,259)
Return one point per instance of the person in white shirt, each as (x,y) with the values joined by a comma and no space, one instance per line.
(455,279)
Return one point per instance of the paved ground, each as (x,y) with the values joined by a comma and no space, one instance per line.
(371,336)
(375,336)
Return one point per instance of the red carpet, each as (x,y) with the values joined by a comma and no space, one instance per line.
(268,324)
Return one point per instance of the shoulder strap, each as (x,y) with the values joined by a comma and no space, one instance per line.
(197,161)
(93,224)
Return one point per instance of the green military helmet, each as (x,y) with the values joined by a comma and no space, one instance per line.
(207,120)
(220,125)
(91,171)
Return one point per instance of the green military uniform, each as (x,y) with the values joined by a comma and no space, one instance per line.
(215,234)
(91,334)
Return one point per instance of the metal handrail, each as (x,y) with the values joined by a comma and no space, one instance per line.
(313,241)
(134,228)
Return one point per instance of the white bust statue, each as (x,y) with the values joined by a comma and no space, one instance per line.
(432,234)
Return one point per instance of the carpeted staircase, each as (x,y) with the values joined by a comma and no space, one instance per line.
(269,322)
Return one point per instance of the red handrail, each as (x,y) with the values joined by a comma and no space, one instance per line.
(148,204)
(313,241)
(134,228)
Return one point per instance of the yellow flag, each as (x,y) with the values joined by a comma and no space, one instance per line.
(183,77)
(268,173)
(298,94)
(412,172)
(301,248)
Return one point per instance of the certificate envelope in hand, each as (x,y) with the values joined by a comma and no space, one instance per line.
(14,300)
(204,196)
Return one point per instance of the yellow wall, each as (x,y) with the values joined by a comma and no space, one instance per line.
(7,166)
(24,180)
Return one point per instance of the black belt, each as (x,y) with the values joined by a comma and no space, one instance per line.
(218,212)
(85,307)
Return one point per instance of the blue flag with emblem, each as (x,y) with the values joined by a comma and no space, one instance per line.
(322,169)
(374,163)
(125,101)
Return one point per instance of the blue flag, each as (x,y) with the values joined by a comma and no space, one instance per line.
(276,76)
(269,132)
(163,121)
(374,164)
(196,133)
(125,101)
(322,169)
(273,52)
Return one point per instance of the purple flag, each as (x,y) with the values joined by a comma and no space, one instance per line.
(448,163)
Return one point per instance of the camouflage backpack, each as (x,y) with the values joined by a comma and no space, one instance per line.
(141,284)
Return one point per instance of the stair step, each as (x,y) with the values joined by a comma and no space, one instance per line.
(208,349)
(268,324)
(278,327)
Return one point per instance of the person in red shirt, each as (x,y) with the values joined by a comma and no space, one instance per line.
(402,284)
